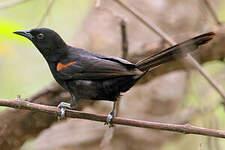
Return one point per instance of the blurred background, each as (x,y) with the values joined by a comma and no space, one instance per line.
(172,93)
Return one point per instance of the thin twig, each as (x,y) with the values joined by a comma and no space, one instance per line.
(46,13)
(169,40)
(124,38)
(105,142)
(213,12)
(8,4)
(185,129)
(124,46)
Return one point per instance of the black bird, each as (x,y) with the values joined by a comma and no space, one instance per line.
(88,75)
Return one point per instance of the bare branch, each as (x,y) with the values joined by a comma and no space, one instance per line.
(169,40)
(185,129)
(124,46)
(11,3)
(124,38)
(46,13)
(212,11)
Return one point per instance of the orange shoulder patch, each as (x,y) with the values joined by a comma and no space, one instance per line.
(60,66)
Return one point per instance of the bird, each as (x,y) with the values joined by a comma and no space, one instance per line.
(88,75)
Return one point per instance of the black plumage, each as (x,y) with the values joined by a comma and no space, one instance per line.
(88,75)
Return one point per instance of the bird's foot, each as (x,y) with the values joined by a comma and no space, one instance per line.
(18,97)
(62,106)
(109,118)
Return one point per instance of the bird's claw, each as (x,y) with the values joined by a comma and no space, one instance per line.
(62,106)
(63,113)
(109,119)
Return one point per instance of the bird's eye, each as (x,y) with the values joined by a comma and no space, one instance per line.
(40,36)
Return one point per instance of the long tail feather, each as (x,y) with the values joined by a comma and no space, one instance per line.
(176,51)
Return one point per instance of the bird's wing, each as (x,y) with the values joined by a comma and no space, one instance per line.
(87,67)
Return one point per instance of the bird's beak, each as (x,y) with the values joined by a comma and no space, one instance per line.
(24,33)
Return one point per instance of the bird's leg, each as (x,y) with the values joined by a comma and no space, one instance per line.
(63,105)
(111,115)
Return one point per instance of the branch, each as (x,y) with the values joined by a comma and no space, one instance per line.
(213,12)
(29,124)
(124,46)
(169,40)
(185,129)
(46,13)
(124,38)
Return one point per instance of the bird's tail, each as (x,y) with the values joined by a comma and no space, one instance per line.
(176,51)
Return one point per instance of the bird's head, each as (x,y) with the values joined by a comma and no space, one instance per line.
(46,40)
